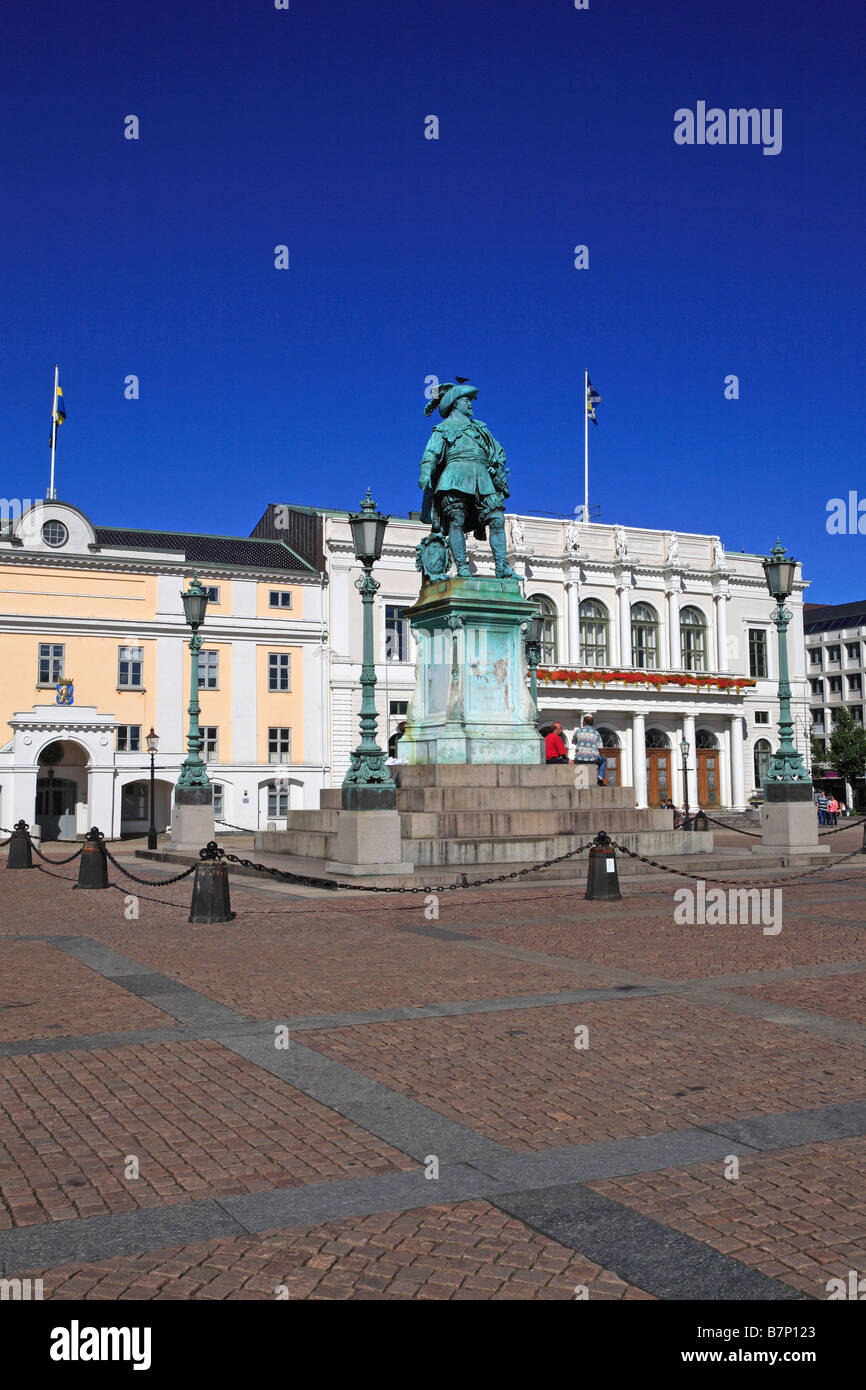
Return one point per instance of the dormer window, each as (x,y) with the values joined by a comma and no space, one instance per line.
(54,533)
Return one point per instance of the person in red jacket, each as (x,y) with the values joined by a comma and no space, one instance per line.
(555,749)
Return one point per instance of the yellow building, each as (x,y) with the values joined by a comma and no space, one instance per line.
(94,648)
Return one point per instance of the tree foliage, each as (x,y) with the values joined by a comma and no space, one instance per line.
(847,748)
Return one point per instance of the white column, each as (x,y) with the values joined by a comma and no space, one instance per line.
(572,590)
(692,762)
(624,624)
(722,631)
(738,771)
(674,630)
(24,796)
(100,788)
(638,760)
(244,740)
(170,693)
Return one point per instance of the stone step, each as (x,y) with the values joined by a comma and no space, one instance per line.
(506,824)
(309,843)
(440,799)
(485,775)
(535,849)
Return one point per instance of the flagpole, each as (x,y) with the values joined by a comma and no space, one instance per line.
(586,447)
(53,430)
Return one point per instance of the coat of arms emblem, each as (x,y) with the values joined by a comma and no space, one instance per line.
(65,692)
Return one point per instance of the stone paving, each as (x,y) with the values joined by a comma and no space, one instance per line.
(505,1093)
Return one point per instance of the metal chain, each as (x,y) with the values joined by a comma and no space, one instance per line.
(849,825)
(753,834)
(54,861)
(245,828)
(742,883)
(63,877)
(146,897)
(426,888)
(148,882)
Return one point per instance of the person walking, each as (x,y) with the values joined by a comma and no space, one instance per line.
(821,803)
(832,811)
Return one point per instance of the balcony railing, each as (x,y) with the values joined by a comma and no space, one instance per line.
(623,678)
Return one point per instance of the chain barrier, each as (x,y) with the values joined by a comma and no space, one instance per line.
(737,882)
(849,825)
(48,860)
(148,882)
(428,888)
(753,834)
(245,828)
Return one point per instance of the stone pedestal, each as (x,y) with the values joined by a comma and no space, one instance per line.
(471,702)
(192,823)
(368,842)
(789,820)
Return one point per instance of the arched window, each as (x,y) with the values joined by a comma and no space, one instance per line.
(693,639)
(645,636)
(704,739)
(594,633)
(608,738)
(656,738)
(549,644)
(762,755)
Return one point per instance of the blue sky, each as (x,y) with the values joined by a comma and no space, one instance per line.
(411,257)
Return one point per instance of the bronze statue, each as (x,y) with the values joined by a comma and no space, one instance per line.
(465,483)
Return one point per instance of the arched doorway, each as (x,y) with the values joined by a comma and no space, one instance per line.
(61,787)
(658,767)
(707,746)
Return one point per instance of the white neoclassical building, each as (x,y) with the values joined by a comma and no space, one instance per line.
(662,637)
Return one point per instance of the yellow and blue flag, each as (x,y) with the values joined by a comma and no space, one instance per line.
(59,405)
(592,399)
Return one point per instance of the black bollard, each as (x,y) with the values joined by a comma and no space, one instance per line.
(93,864)
(700,822)
(210,888)
(20,854)
(602,879)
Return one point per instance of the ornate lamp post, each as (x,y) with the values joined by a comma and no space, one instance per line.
(152,741)
(684,749)
(786,765)
(534,636)
(193,774)
(368,784)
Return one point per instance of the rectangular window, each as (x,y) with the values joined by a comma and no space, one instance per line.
(218,807)
(279,745)
(835,685)
(129,667)
(208,670)
(279,671)
(815,656)
(693,649)
(398,708)
(855,684)
(280,598)
(210,742)
(278,801)
(853,650)
(757,653)
(857,712)
(213,593)
(817,689)
(396,633)
(762,716)
(129,738)
(51,658)
(833,653)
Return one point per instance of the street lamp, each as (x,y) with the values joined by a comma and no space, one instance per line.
(786,765)
(193,774)
(684,749)
(368,784)
(535,633)
(152,741)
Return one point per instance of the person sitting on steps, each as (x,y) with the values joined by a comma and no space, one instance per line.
(587,748)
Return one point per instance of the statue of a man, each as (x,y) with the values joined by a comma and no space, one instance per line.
(464,476)
(673,548)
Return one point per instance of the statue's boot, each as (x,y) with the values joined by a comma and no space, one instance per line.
(499,546)
(457,542)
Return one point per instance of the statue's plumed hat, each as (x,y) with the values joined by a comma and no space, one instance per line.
(447,394)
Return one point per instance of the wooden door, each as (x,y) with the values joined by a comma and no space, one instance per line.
(612,755)
(658,775)
(708,776)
